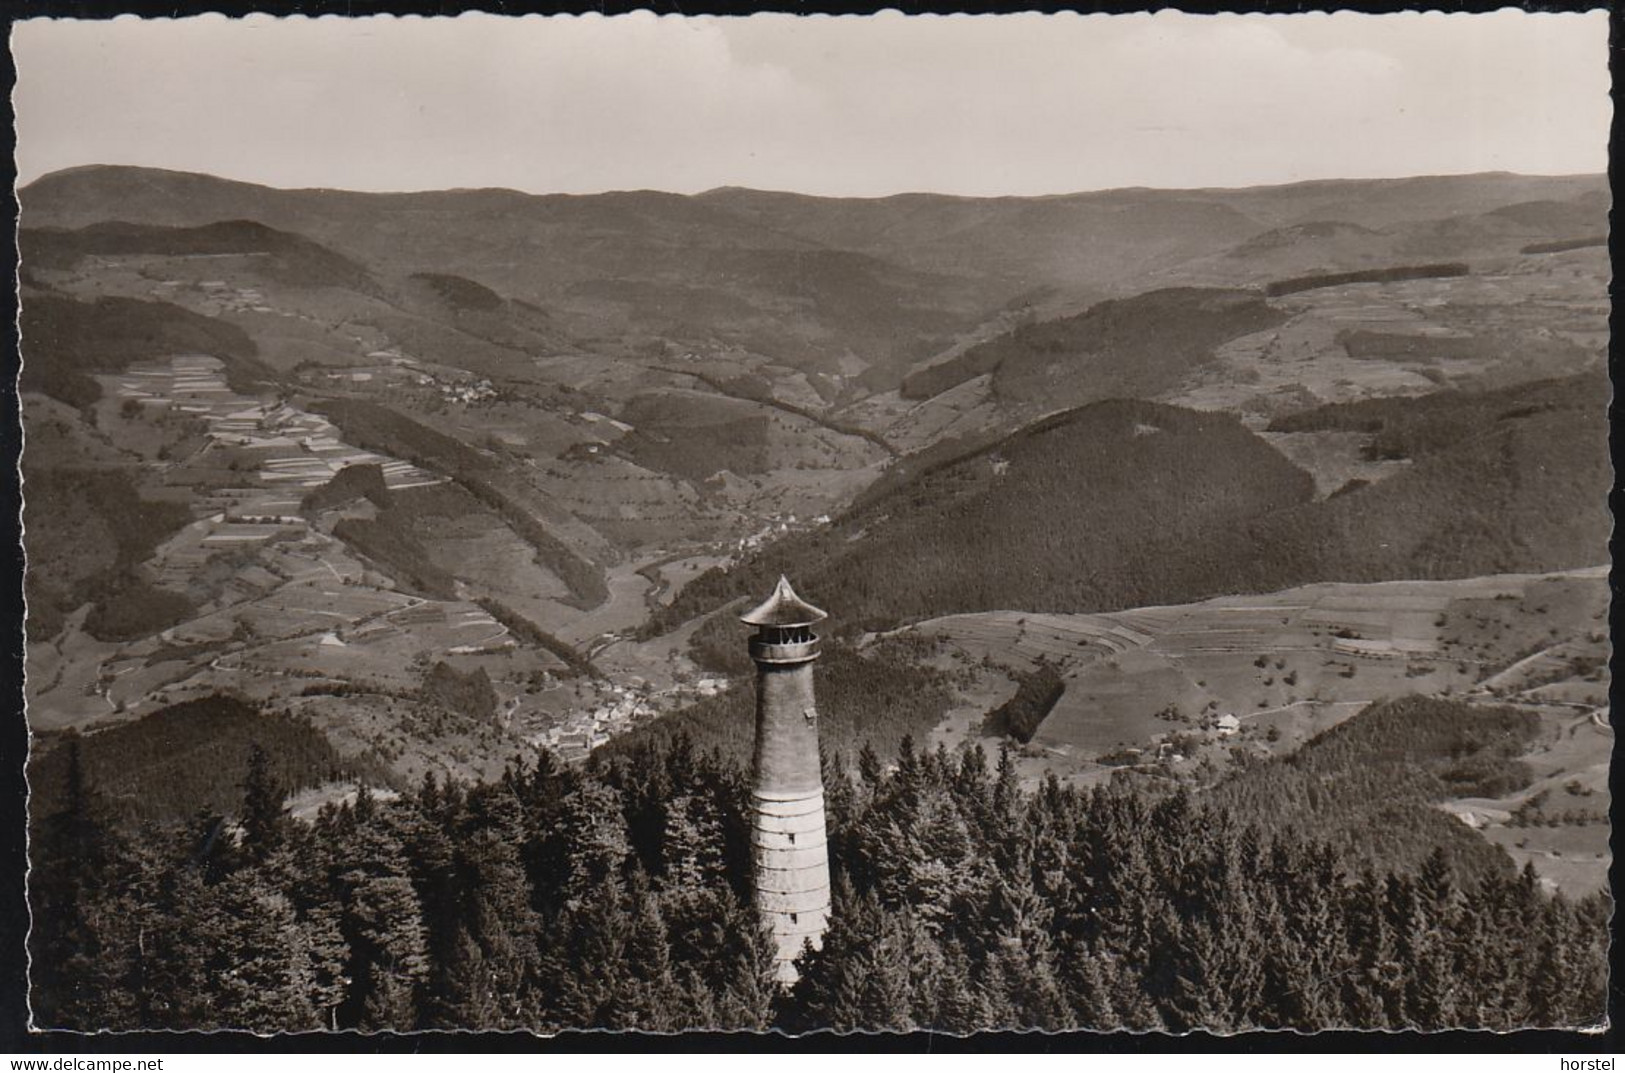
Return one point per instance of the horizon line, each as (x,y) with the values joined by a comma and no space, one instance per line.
(19,186)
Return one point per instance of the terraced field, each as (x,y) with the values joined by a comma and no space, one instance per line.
(292,449)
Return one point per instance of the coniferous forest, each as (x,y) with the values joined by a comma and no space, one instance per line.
(615,895)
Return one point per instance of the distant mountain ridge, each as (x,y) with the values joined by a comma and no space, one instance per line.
(818,282)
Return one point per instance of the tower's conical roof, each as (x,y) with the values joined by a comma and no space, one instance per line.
(783,608)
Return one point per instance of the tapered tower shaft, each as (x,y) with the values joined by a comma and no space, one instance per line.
(788,839)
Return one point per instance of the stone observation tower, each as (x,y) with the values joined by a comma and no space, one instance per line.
(792,859)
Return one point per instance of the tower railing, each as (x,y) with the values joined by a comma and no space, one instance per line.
(763,650)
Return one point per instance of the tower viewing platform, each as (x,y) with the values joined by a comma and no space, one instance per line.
(783,627)
(788,837)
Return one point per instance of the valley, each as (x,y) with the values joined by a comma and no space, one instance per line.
(453,478)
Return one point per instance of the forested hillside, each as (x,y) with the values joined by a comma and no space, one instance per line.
(88,531)
(1068,514)
(617,896)
(1411,427)
(1124,504)
(68,341)
(1368,787)
(1518,485)
(1126,348)
(166,766)
(289,257)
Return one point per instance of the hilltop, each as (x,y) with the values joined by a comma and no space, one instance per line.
(1119,504)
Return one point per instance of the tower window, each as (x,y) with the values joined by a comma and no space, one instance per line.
(792,918)
(792,838)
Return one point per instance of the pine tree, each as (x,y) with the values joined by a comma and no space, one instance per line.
(495,905)
(263,818)
(382,924)
(960,1008)
(1085,987)
(595,841)
(859,979)
(258,959)
(647,997)
(742,967)
(79,941)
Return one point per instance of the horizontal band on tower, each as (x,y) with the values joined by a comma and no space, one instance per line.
(767,885)
(768,843)
(807,824)
(811,929)
(810,820)
(779,879)
(790,861)
(815,915)
(785,869)
(794,938)
(798,820)
(812,916)
(779,841)
(787,797)
(799,892)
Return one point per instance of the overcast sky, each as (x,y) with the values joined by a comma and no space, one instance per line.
(1025,104)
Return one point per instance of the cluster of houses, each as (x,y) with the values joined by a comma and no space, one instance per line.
(229,299)
(457,390)
(582,731)
(1173,745)
(777,526)
(621,709)
(466,391)
(219,296)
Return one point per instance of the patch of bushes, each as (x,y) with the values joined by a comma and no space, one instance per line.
(135,608)
(1037,693)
